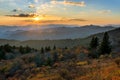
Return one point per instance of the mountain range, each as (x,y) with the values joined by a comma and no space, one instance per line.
(114,34)
(50,32)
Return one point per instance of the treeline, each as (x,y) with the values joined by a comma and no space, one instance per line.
(48,48)
(7,49)
(99,48)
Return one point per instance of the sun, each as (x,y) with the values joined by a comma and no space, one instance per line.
(36,18)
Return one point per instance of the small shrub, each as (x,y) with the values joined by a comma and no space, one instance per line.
(117,61)
(64,73)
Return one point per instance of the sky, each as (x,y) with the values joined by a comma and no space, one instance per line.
(39,12)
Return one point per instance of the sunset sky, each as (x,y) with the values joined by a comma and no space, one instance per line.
(82,12)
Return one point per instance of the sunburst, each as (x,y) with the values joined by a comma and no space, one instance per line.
(36,18)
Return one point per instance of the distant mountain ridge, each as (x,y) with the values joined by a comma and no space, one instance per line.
(50,32)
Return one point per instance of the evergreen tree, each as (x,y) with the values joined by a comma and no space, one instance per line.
(47,49)
(7,48)
(54,48)
(2,55)
(105,47)
(93,48)
(14,47)
(42,50)
(27,49)
(94,43)
(66,47)
(21,50)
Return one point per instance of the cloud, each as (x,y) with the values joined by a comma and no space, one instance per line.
(104,11)
(77,19)
(55,5)
(23,15)
(36,1)
(31,6)
(81,4)
(57,21)
(16,10)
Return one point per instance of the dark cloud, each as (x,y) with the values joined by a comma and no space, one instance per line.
(16,10)
(22,15)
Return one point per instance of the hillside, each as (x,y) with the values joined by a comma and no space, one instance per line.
(114,36)
(48,63)
(56,64)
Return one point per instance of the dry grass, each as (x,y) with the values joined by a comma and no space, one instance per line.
(102,69)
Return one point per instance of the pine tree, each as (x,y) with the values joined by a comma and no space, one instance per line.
(93,47)
(21,50)
(66,47)
(2,55)
(94,43)
(7,48)
(42,50)
(54,48)
(105,47)
(27,49)
(48,48)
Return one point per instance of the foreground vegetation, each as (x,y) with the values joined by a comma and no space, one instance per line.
(77,63)
(61,64)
